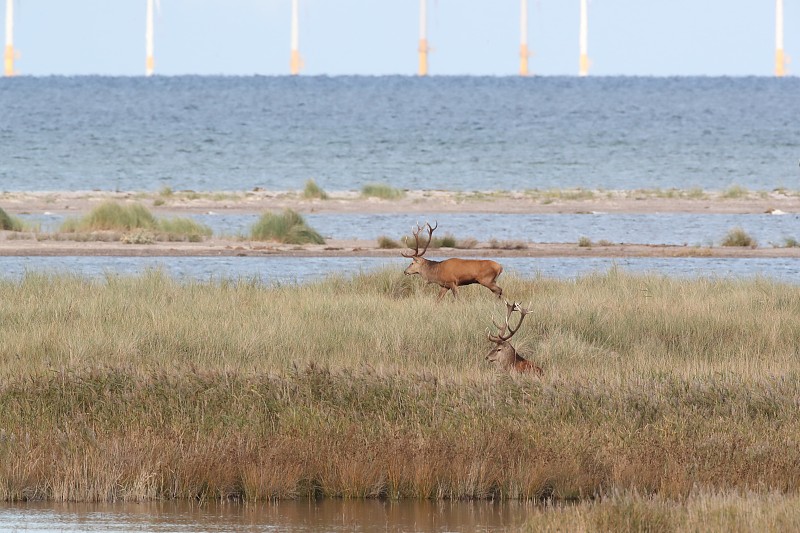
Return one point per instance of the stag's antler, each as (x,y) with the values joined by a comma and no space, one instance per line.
(415,233)
(501,329)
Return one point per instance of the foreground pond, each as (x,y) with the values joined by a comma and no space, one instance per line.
(304,269)
(301,516)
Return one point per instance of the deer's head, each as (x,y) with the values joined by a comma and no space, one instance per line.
(416,256)
(503,353)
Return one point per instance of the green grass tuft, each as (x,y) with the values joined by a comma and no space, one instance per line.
(314,191)
(388,243)
(8,222)
(288,227)
(734,192)
(381,190)
(738,237)
(115,217)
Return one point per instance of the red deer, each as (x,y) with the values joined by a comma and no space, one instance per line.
(452,273)
(503,353)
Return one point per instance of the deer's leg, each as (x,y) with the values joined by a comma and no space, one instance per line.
(442,292)
(454,288)
(495,288)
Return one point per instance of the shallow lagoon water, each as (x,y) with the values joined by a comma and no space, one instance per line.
(667,228)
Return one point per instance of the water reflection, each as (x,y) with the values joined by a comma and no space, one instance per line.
(288,270)
(301,516)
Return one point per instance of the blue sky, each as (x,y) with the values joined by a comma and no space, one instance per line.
(376,37)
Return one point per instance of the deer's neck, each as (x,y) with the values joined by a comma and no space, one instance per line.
(429,268)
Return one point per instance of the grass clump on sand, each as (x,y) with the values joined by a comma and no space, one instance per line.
(312,191)
(448,240)
(134,218)
(739,237)
(670,388)
(381,190)
(735,192)
(388,243)
(288,227)
(8,222)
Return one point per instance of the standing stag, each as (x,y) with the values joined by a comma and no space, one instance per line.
(452,273)
(503,353)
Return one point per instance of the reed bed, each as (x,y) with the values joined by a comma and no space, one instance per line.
(137,388)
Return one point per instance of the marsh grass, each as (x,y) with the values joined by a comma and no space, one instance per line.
(701,511)
(120,220)
(131,388)
(288,227)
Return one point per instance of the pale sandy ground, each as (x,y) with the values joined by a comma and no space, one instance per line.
(415,202)
(67,202)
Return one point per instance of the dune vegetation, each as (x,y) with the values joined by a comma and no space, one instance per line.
(656,391)
(381,190)
(8,222)
(288,227)
(312,191)
(134,223)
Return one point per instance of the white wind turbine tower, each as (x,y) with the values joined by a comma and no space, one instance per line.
(524,54)
(150,62)
(780,57)
(296,62)
(423,38)
(10,53)
(584,41)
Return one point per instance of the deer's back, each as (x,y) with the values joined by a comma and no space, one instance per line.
(469,270)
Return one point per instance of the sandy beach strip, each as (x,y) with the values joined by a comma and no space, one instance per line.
(76,203)
(349,248)
(414,202)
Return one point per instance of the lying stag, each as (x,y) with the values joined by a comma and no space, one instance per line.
(503,353)
(452,273)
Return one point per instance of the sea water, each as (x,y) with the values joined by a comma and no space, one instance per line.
(458,133)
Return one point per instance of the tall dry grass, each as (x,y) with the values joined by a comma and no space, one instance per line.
(145,387)
(733,512)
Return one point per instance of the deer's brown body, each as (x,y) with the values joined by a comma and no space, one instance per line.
(453,273)
(504,354)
